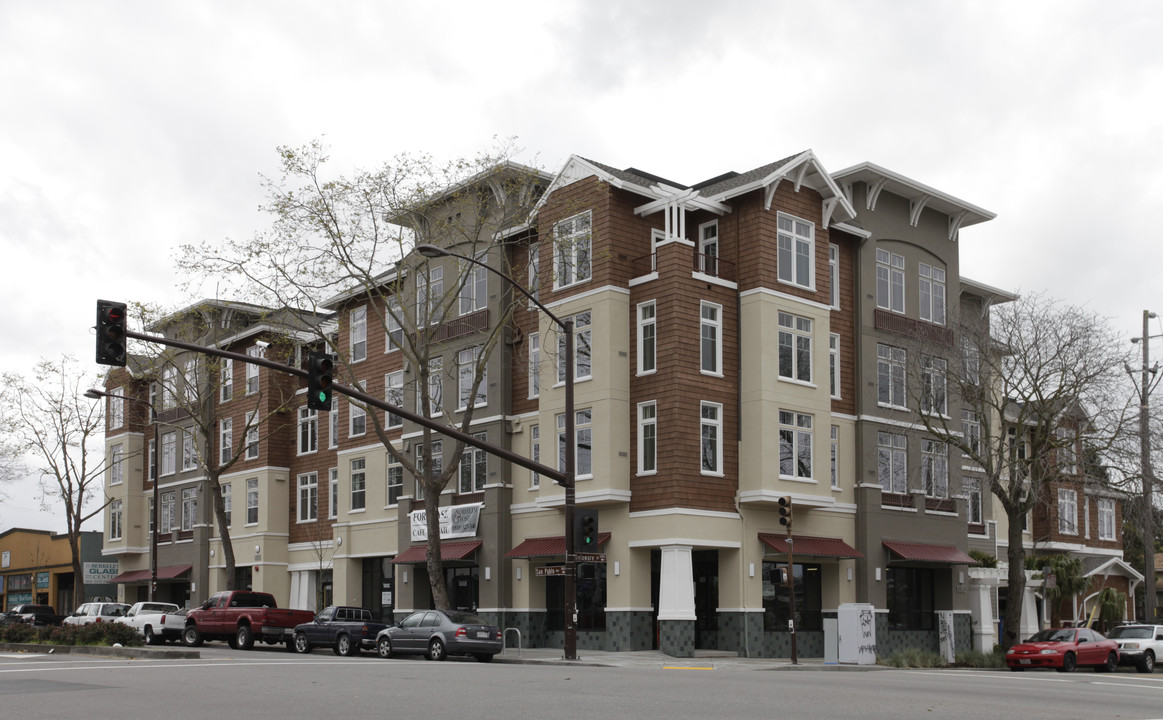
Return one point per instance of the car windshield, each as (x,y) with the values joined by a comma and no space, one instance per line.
(1130,632)
(1059,635)
(465,618)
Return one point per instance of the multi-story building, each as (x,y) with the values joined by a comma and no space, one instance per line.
(754,337)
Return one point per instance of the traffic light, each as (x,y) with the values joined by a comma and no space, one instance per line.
(319,382)
(585,531)
(785,512)
(111,333)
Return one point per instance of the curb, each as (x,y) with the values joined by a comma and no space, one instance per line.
(102,651)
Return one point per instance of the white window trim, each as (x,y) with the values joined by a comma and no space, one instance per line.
(642,324)
(534,365)
(1106,503)
(643,423)
(834,365)
(834,275)
(1068,499)
(116,408)
(811,240)
(796,334)
(333,493)
(307,417)
(797,432)
(389,386)
(464,377)
(572,253)
(718,424)
(717,324)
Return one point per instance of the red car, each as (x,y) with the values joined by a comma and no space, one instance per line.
(1065,649)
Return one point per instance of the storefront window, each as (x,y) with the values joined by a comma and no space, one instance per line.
(910,598)
(776,609)
(591,598)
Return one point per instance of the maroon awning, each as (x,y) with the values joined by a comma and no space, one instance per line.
(813,546)
(448,551)
(927,553)
(169,572)
(547,546)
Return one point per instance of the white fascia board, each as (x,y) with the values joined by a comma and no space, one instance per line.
(379,281)
(911,189)
(995,295)
(785,170)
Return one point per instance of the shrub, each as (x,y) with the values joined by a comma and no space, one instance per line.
(979,659)
(984,558)
(95,634)
(17,633)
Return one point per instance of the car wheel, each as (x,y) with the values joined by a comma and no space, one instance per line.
(244,638)
(384,647)
(1147,664)
(1112,662)
(301,645)
(344,647)
(191,637)
(1069,662)
(436,650)
(484,657)
(150,638)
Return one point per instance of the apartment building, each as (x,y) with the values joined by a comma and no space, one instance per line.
(751,337)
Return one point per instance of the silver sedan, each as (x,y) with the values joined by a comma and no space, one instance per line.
(436,634)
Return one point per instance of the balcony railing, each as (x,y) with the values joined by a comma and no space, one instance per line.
(940,504)
(901,325)
(461,326)
(900,500)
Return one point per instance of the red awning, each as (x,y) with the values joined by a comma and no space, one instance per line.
(448,551)
(814,546)
(926,553)
(547,546)
(169,572)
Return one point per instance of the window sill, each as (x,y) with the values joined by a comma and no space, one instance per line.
(646,473)
(646,372)
(792,283)
(362,434)
(801,383)
(574,284)
(357,511)
(792,478)
(561,383)
(709,373)
(707,473)
(306,522)
(886,406)
(301,453)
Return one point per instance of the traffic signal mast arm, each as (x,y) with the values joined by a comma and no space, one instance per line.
(552,473)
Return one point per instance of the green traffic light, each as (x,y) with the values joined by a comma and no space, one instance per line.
(322,396)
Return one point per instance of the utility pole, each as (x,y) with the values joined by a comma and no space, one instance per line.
(1147,519)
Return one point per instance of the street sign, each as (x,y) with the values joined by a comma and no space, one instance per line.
(591,557)
(547,571)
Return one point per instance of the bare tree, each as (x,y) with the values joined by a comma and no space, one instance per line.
(347,241)
(47,419)
(1037,384)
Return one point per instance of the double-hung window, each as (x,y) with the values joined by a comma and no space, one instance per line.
(971,487)
(892,462)
(308,497)
(834,365)
(583,443)
(474,294)
(931,285)
(647,438)
(437,453)
(333,423)
(170,452)
(835,457)
(429,292)
(796,255)
(189,451)
(226,502)
(116,470)
(710,338)
(933,385)
(890,281)
(358,334)
(474,467)
(395,335)
(1106,519)
(356,416)
(971,431)
(394,394)
(189,508)
(890,375)
(466,366)
(251,438)
(168,512)
(358,484)
(795,348)
(572,250)
(970,362)
(935,468)
(834,275)
(225,442)
(226,384)
(251,501)
(252,370)
(534,365)
(534,455)
(435,393)
(115,519)
(582,348)
(333,492)
(1067,511)
(395,482)
(647,328)
(116,408)
(308,430)
(795,445)
(711,438)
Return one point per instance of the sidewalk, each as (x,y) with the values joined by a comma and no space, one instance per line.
(705,660)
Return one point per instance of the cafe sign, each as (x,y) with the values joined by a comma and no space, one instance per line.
(456,521)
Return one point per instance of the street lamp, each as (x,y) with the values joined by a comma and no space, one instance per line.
(432,251)
(1148,520)
(96,394)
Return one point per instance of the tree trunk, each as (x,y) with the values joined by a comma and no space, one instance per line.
(224,530)
(78,578)
(434,564)
(1016,592)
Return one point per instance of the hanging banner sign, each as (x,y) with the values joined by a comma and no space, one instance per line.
(456,521)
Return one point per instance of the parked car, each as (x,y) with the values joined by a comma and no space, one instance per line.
(1139,645)
(345,629)
(33,614)
(240,617)
(436,634)
(1065,649)
(95,612)
(157,621)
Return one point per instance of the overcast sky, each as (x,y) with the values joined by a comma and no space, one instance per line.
(128,128)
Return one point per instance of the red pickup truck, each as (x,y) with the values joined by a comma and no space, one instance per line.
(240,617)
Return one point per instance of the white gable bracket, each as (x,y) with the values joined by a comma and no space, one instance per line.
(955,224)
(874,193)
(800,176)
(829,206)
(915,208)
(769,193)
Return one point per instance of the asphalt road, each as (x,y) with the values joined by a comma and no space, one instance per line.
(271,683)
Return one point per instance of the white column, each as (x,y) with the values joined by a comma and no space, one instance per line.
(676,586)
(1029,611)
(981,607)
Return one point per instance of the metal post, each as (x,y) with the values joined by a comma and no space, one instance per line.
(1147,524)
(791,594)
(570,499)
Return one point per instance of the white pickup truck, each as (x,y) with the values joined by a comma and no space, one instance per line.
(157,621)
(1139,645)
